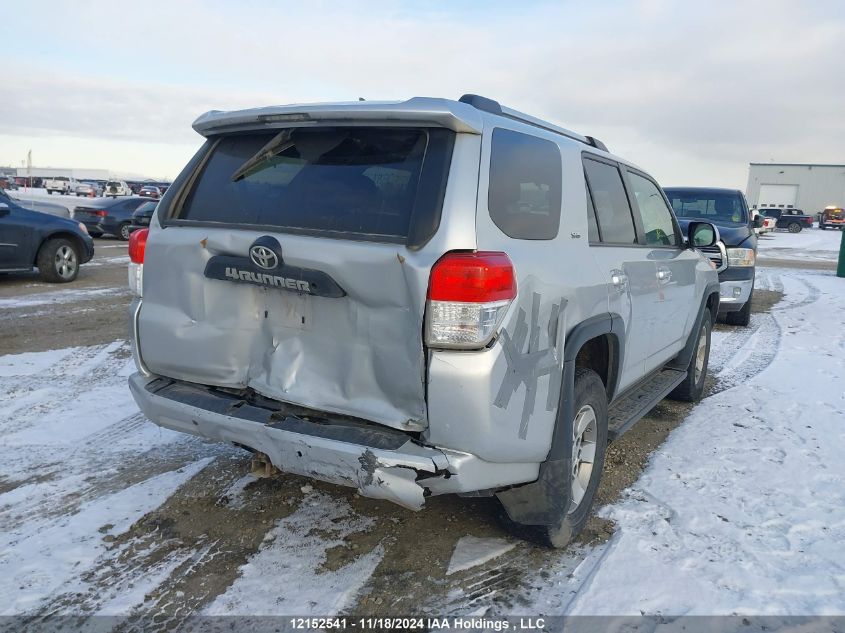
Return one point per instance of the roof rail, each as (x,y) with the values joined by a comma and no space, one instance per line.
(494,107)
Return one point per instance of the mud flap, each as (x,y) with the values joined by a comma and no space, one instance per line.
(543,502)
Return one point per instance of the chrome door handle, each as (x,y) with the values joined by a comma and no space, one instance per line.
(664,275)
(619,279)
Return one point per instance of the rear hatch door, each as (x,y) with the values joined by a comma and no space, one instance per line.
(284,267)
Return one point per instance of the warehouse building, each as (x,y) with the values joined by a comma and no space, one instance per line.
(810,188)
(69,172)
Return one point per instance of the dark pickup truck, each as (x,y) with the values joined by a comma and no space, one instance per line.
(793,220)
(735,255)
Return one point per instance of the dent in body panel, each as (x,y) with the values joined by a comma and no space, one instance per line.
(359,355)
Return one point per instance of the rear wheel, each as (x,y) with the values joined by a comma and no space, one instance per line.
(58,261)
(692,388)
(794,227)
(123,232)
(589,440)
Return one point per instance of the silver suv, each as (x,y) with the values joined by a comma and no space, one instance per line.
(418,298)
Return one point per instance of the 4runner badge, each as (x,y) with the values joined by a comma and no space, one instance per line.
(264,266)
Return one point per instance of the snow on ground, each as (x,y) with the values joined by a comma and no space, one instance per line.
(59,296)
(69,435)
(310,590)
(741,509)
(809,244)
(81,466)
(471,551)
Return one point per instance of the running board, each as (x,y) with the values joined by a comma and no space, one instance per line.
(637,402)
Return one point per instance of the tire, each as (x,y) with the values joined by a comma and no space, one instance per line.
(692,388)
(124,231)
(49,193)
(743,316)
(794,227)
(58,261)
(822,227)
(591,413)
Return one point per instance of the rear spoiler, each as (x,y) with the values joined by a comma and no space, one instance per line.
(460,117)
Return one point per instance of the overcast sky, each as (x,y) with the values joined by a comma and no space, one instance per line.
(691,91)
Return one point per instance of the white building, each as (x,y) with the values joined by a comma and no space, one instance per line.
(51,172)
(807,187)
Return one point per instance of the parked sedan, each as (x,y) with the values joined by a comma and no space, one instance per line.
(56,246)
(108,215)
(89,190)
(150,191)
(51,208)
(143,215)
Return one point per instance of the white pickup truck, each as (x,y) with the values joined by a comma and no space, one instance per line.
(61,184)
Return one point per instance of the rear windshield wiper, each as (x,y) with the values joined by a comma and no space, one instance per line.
(277,144)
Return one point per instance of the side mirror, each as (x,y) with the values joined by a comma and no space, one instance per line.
(702,234)
(758,221)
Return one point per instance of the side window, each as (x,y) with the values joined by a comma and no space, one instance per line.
(612,208)
(657,218)
(525,185)
(592,225)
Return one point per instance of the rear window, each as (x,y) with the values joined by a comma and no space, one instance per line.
(146,207)
(370,183)
(525,185)
(721,207)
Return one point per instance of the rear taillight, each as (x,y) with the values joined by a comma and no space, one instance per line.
(468,295)
(137,247)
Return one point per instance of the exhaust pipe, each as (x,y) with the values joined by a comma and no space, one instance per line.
(262,466)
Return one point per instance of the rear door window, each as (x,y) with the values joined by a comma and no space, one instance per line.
(366,182)
(525,185)
(613,210)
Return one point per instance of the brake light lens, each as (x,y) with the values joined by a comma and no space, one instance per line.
(137,248)
(468,296)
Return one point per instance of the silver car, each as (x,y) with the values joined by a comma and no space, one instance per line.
(89,189)
(418,298)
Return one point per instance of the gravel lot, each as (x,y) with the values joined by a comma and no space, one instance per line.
(196,515)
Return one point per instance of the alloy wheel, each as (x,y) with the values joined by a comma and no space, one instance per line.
(584,436)
(65,262)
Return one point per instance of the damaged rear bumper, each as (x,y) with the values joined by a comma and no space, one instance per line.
(381,463)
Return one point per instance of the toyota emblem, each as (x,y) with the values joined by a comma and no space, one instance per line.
(263,257)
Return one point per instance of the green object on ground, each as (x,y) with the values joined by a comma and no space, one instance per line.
(840,270)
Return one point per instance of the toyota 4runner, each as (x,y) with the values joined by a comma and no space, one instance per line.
(418,298)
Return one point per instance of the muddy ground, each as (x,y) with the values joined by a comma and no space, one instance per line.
(201,515)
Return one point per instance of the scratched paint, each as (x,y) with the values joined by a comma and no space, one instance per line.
(525,365)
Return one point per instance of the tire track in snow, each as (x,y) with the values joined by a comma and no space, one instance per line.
(178,558)
(748,351)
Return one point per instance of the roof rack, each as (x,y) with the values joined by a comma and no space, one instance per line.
(494,107)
